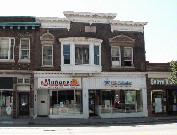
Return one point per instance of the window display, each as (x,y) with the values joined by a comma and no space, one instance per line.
(121,101)
(6,102)
(66,101)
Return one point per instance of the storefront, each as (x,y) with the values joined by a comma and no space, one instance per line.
(6,97)
(163,97)
(15,96)
(113,95)
(59,97)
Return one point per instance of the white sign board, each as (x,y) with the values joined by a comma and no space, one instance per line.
(59,83)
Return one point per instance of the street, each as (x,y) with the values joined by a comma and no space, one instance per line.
(158,129)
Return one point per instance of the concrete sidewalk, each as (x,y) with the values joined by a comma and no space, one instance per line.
(45,121)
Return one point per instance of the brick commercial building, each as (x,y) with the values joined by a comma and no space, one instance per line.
(18,38)
(80,66)
(162,95)
(89,64)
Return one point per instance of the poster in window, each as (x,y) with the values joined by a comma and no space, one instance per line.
(130,97)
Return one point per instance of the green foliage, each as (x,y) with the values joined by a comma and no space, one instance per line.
(173,72)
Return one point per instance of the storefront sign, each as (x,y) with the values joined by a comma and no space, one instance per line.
(156,81)
(56,83)
(115,83)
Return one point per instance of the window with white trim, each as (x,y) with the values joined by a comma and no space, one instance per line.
(128,56)
(25,49)
(47,55)
(66,54)
(96,55)
(7,48)
(116,56)
(81,54)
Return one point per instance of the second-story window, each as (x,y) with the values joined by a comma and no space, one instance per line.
(116,57)
(66,54)
(7,48)
(128,56)
(47,51)
(81,54)
(25,49)
(47,42)
(96,55)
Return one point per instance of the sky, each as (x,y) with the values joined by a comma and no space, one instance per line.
(160,32)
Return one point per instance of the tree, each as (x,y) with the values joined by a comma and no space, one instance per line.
(173,72)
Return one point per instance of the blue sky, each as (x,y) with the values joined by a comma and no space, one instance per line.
(161,15)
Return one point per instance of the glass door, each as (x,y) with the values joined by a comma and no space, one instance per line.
(24,104)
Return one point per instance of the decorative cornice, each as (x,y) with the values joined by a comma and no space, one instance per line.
(47,38)
(121,38)
(54,22)
(89,17)
(80,39)
(117,25)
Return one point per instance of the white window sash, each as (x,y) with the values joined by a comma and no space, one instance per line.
(50,55)
(20,54)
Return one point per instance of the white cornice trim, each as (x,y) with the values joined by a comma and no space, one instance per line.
(80,39)
(117,25)
(54,22)
(89,17)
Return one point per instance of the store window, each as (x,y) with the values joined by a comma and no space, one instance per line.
(6,103)
(65,102)
(7,48)
(81,54)
(24,48)
(128,56)
(121,101)
(66,54)
(47,55)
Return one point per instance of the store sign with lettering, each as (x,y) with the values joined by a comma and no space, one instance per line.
(115,83)
(57,83)
(157,81)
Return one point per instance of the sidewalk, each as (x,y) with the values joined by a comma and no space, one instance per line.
(45,121)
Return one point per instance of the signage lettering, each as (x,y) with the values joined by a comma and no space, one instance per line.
(160,82)
(59,83)
(117,83)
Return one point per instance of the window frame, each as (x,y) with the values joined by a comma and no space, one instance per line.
(43,56)
(69,53)
(9,49)
(89,57)
(117,47)
(20,50)
(131,56)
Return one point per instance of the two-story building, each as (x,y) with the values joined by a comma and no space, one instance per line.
(18,37)
(89,64)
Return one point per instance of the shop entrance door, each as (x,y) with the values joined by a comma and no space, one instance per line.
(43,103)
(23,104)
(158,105)
(93,104)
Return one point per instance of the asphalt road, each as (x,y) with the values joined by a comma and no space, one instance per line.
(158,129)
